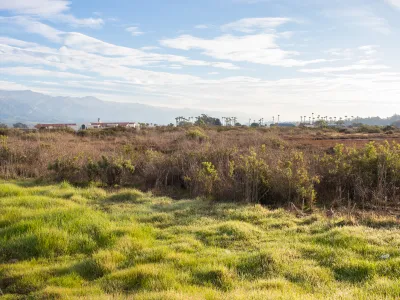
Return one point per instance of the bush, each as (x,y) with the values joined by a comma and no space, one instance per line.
(196,134)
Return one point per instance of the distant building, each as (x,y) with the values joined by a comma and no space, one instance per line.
(113,124)
(56,126)
(283,124)
(83,126)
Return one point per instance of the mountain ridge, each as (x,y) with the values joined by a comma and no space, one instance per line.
(33,107)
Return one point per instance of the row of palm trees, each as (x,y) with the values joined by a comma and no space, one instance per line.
(226,121)
(229,121)
(329,120)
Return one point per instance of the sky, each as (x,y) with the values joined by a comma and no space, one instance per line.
(259,57)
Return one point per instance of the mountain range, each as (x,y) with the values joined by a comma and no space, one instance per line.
(32,107)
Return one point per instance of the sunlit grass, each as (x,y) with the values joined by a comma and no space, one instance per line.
(63,242)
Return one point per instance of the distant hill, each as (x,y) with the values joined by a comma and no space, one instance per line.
(31,107)
(380,121)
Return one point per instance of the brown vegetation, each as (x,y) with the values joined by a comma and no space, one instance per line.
(274,166)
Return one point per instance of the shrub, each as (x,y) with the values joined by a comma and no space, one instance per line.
(196,134)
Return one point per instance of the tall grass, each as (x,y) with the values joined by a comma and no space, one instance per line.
(127,244)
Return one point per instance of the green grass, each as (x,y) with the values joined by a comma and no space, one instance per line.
(62,242)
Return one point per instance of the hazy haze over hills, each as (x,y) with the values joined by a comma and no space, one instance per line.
(259,57)
(31,107)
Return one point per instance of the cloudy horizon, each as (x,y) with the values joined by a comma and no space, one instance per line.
(261,57)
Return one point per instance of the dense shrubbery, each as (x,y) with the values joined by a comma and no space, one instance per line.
(369,174)
(251,165)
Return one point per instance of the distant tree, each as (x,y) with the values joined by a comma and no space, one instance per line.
(255,124)
(3,126)
(217,122)
(340,123)
(238,124)
(207,120)
(20,125)
(184,123)
(321,123)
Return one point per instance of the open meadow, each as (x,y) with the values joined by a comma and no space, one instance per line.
(61,242)
(200,213)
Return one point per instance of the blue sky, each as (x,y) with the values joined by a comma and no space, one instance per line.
(261,57)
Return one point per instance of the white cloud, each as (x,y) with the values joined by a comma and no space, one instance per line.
(80,64)
(86,55)
(91,45)
(202,26)
(394,3)
(356,67)
(27,71)
(134,31)
(81,42)
(32,26)
(149,48)
(75,22)
(53,10)
(12,86)
(251,25)
(259,49)
(35,7)
(14,42)
(363,17)
(369,49)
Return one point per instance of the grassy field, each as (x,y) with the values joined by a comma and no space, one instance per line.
(61,242)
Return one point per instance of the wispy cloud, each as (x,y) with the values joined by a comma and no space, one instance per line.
(259,49)
(202,26)
(28,71)
(149,48)
(134,31)
(251,25)
(35,7)
(394,3)
(356,67)
(53,10)
(33,26)
(362,17)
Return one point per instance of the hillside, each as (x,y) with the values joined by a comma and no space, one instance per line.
(62,242)
(31,107)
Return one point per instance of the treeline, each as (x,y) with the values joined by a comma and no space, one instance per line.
(255,166)
(377,121)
